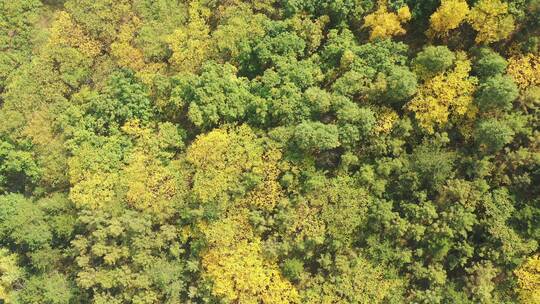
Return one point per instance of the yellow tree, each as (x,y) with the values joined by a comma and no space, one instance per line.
(49,145)
(94,173)
(525,70)
(492,21)
(385,24)
(234,262)
(386,118)
(10,274)
(352,279)
(128,55)
(267,194)
(190,44)
(448,16)
(150,185)
(238,25)
(66,33)
(221,160)
(445,94)
(529,280)
(99,18)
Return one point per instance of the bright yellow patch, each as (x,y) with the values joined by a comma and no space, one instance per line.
(445,94)
(525,70)
(448,16)
(386,24)
(529,281)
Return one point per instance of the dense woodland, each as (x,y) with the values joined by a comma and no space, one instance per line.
(269,151)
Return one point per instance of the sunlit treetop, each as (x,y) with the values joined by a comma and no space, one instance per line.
(491,20)
(385,24)
(449,16)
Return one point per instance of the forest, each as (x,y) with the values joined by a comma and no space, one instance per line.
(269,151)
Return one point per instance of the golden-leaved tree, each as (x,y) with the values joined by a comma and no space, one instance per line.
(235,263)
(492,21)
(525,70)
(529,280)
(449,16)
(385,24)
(222,160)
(151,184)
(128,55)
(448,93)
(190,44)
(10,274)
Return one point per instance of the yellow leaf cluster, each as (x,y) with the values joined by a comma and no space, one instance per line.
(65,32)
(404,14)
(49,146)
(129,56)
(386,118)
(150,186)
(525,70)
(355,280)
(448,16)
(142,180)
(220,158)
(307,224)
(235,264)
(529,281)
(10,273)
(446,93)
(190,44)
(385,24)
(267,194)
(490,18)
(93,185)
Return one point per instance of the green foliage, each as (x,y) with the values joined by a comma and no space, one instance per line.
(17,20)
(52,288)
(494,134)
(356,281)
(122,261)
(122,99)
(18,169)
(22,224)
(401,84)
(216,96)
(293,269)
(433,60)
(490,64)
(316,136)
(497,92)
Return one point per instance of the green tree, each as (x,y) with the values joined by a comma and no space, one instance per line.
(494,134)
(401,84)
(490,64)
(316,136)
(52,288)
(216,96)
(497,92)
(22,224)
(17,28)
(433,60)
